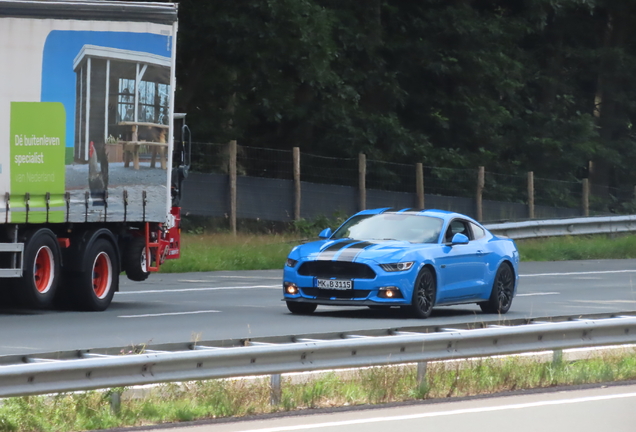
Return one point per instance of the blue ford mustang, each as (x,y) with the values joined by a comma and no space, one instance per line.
(413,259)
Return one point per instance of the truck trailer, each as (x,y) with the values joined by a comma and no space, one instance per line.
(90,172)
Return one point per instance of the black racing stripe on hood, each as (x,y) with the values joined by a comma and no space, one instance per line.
(350,253)
(331,251)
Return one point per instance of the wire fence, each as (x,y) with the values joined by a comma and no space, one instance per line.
(210,158)
(390,176)
(503,187)
(557,193)
(260,162)
(329,170)
(398,177)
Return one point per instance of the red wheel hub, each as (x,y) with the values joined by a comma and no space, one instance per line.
(43,272)
(102,275)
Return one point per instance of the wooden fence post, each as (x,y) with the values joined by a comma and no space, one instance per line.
(530,194)
(232,172)
(481,181)
(419,184)
(362,181)
(585,199)
(296,157)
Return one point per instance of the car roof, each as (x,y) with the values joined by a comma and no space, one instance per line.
(443,214)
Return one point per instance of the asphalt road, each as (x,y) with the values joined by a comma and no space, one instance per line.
(229,305)
(591,410)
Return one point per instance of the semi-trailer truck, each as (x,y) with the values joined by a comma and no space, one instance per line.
(89,177)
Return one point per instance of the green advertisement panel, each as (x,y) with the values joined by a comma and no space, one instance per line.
(38,145)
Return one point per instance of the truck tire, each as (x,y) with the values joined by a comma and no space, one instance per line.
(94,285)
(134,260)
(39,283)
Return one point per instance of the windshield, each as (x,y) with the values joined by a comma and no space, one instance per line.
(392,226)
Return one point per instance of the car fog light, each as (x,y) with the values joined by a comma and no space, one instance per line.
(390,292)
(291,288)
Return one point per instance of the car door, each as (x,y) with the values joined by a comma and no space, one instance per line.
(462,267)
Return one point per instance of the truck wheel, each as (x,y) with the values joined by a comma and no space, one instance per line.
(40,279)
(134,260)
(95,285)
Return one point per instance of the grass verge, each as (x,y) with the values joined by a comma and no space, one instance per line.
(578,248)
(223,251)
(236,398)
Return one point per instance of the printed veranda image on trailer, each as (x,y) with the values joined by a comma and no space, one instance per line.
(85,124)
(117,124)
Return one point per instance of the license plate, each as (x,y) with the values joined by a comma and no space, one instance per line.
(334,284)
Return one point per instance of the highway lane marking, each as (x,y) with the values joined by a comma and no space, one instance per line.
(227,277)
(168,314)
(578,273)
(537,294)
(200,289)
(604,301)
(444,413)
(250,277)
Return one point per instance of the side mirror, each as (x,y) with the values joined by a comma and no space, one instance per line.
(459,238)
(325,234)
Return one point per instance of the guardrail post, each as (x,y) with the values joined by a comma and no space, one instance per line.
(362,181)
(232,173)
(419,184)
(296,159)
(276,392)
(557,356)
(585,199)
(115,401)
(481,181)
(530,195)
(421,372)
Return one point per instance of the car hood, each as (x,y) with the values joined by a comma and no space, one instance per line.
(381,251)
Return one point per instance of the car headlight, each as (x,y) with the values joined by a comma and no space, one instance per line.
(291,262)
(395,267)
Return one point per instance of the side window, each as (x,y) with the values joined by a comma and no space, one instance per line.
(456,226)
(478,232)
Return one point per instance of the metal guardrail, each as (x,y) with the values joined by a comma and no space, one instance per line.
(561,227)
(94,371)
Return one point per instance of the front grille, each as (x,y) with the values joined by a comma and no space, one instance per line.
(340,294)
(336,269)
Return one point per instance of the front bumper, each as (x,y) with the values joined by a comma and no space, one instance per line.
(365,292)
(339,302)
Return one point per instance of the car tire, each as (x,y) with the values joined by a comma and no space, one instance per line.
(134,260)
(424,294)
(301,308)
(95,285)
(37,288)
(502,290)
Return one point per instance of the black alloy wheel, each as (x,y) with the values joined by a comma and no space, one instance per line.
(502,289)
(424,294)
